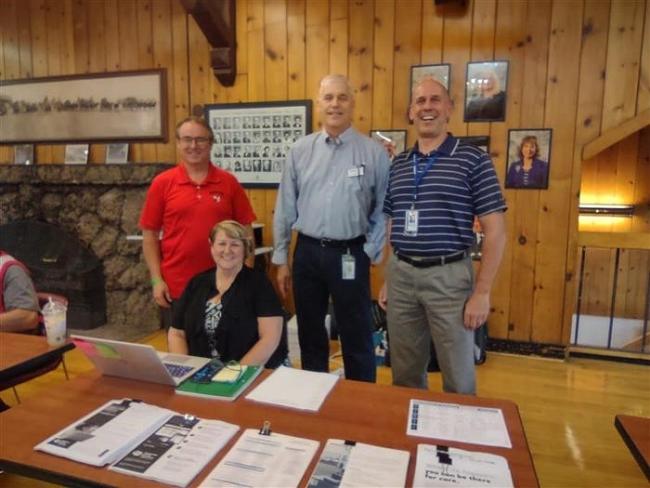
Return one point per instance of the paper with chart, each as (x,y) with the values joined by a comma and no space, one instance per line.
(440,466)
(347,464)
(462,423)
(263,460)
(295,388)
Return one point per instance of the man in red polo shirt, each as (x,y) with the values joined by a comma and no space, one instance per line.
(184,203)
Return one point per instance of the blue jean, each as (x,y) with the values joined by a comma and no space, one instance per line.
(317,274)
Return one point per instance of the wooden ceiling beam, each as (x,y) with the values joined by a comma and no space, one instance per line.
(616,134)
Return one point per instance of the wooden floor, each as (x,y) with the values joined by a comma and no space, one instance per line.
(567,408)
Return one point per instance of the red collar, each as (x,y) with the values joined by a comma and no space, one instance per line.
(213,176)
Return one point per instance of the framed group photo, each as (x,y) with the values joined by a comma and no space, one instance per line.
(119,106)
(252,139)
(485,91)
(439,72)
(529,158)
(397,137)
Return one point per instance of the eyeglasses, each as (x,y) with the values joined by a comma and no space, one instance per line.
(199,141)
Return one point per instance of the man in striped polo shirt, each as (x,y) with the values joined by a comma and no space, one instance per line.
(434,192)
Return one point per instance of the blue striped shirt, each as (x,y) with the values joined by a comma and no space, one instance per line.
(460,184)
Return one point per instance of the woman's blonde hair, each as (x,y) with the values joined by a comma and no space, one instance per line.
(234,230)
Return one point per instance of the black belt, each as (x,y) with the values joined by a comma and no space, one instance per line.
(332,242)
(436,261)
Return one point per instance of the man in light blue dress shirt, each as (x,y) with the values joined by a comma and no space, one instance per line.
(332,193)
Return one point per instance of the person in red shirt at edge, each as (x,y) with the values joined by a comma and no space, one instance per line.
(184,203)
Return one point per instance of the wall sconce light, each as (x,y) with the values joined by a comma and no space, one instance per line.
(606,209)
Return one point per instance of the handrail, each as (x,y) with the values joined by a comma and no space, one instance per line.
(613,240)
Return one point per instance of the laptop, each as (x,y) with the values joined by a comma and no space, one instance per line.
(138,361)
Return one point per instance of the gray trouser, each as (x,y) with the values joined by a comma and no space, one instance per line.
(426,304)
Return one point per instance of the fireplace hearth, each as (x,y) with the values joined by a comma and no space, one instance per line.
(70,223)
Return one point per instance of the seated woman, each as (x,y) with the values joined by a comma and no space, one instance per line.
(230,312)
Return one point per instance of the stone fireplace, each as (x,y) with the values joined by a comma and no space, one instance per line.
(100,206)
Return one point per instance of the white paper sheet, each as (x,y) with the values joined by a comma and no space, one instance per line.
(437,467)
(178,451)
(263,460)
(462,423)
(295,388)
(349,465)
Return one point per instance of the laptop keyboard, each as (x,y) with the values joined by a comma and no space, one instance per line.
(177,370)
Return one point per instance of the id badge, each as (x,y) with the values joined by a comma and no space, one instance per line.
(411,223)
(347,267)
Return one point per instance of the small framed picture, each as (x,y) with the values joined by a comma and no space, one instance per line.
(482,142)
(76,153)
(529,158)
(397,137)
(24,154)
(485,91)
(117,153)
(439,72)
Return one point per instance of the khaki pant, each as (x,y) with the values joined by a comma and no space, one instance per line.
(426,304)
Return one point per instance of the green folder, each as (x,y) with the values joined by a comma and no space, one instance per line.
(217,390)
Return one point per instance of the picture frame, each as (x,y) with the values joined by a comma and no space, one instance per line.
(117,153)
(486,85)
(398,136)
(76,154)
(99,107)
(440,72)
(24,154)
(252,140)
(482,142)
(529,159)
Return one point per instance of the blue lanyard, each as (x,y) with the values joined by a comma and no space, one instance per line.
(419,175)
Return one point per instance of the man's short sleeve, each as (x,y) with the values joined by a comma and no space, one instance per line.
(242,209)
(19,290)
(153,209)
(486,191)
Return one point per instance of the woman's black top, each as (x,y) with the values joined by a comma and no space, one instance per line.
(250,296)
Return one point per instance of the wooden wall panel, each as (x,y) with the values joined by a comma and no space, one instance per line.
(576,67)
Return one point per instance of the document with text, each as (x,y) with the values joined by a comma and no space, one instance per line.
(349,464)
(177,451)
(294,388)
(462,423)
(263,460)
(106,434)
(441,466)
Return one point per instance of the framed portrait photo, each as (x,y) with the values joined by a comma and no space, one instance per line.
(125,105)
(485,91)
(117,153)
(529,158)
(440,72)
(76,153)
(482,142)
(397,137)
(252,139)
(24,154)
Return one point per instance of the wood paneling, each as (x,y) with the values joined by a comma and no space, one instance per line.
(578,67)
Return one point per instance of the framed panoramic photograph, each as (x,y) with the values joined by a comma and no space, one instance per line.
(76,154)
(24,154)
(252,139)
(127,105)
(117,153)
(529,158)
(485,91)
(397,137)
(440,72)
(482,142)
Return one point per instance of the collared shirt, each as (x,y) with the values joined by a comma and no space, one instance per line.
(186,212)
(460,184)
(334,189)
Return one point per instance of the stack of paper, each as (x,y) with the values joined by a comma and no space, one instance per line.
(295,388)
(439,466)
(263,460)
(353,464)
